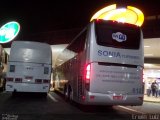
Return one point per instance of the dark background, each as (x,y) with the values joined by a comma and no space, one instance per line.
(39,16)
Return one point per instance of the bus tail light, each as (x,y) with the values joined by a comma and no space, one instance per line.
(38,81)
(46,81)
(9,79)
(87,76)
(88,73)
(18,80)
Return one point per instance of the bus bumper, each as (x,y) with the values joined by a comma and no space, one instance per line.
(110,99)
(25,87)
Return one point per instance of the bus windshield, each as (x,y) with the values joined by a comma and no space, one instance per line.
(117,35)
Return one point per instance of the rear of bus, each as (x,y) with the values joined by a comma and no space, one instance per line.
(115,67)
(29,67)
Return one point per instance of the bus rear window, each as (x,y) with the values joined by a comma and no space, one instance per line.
(117,35)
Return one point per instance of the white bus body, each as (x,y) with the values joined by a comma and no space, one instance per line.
(29,67)
(103,65)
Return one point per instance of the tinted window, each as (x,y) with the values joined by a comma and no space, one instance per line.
(118,35)
(77,45)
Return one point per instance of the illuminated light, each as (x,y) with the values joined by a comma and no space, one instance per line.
(148,55)
(147,46)
(60,60)
(140,16)
(87,76)
(130,15)
(88,68)
(108,8)
(9,31)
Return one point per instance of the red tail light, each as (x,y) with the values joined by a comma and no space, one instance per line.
(87,76)
(88,73)
(18,80)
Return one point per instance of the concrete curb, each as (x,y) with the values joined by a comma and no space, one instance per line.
(151,101)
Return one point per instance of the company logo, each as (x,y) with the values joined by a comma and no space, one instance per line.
(114,54)
(9,31)
(119,37)
(109,53)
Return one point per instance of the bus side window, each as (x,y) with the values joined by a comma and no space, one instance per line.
(77,45)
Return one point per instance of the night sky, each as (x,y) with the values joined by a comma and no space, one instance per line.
(37,16)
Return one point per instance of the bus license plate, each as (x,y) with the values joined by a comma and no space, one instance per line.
(118,97)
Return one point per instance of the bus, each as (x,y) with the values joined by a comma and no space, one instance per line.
(103,65)
(3,67)
(29,67)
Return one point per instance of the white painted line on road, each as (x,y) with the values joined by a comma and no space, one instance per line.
(54,99)
(131,109)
